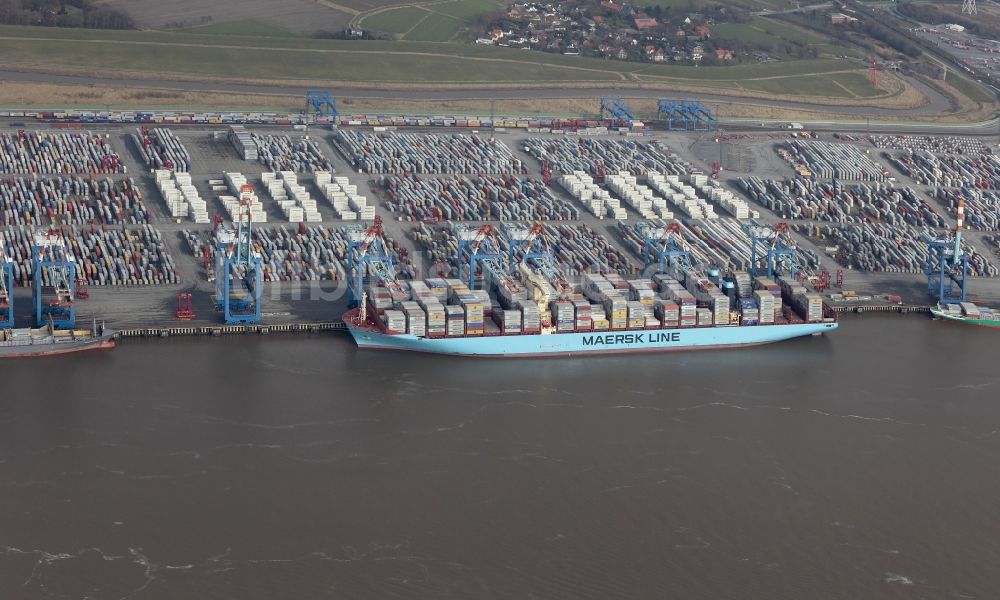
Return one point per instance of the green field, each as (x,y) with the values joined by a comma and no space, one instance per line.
(764,31)
(432,22)
(686,6)
(972,90)
(857,83)
(397,20)
(435,28)
(836,85)
(466,10)
(241,57)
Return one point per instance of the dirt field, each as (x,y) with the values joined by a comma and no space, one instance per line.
(297,16)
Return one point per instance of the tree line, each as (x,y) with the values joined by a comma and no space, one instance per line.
(63,13)
(936,15)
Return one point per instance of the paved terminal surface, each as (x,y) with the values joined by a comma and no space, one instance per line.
(325,301)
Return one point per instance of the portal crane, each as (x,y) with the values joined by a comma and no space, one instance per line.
(53,280)
(535,254)
(6,290)
(947,264)
(368,254)
(536,264)
(664,247)
(239,274)
(775,246)
(480,249)
(614,107)
(684,115)
(321,104)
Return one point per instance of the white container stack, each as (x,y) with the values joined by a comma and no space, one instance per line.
(180,195)
(234,181)
(291,197)
(638,196)
(732,203)
(684,197)
(344,197)
(598,201)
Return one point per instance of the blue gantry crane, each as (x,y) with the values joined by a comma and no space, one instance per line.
(53,281)
(947,264)
(6,290)
(614,108)
(663,246)
(321,103)
(368,257)
(527,246)
(775,247)
(239,274)
(684,115)
(479,250)
(526,243)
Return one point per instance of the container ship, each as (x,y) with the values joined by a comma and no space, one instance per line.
(47,341)
(967,313)
(605,314)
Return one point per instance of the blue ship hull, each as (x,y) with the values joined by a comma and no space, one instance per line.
(569,344)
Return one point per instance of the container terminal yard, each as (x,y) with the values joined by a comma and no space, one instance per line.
(146,210)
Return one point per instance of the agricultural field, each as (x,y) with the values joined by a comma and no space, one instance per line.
(438,21)
(302,17)
(397,20)
(764,32)
(435,28)
(247,27)
(839,85)
(700,5)
(154,53)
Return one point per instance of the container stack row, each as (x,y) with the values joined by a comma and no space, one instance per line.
(840,203)
(180,195)
(70,200)
(292,198)
(981,172)
(947,144)
(231,202)
(576,248)
(485,198)
(684,197)
(729,201)
(597,200)
(982,208)
(281,153)
(161,149)
(877,247)
(566,155)
(51,153)
(344,197)
(826,160)
(104,257)
(401,153)
(638,196)
(720,243)
(243,142)
(312,253)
